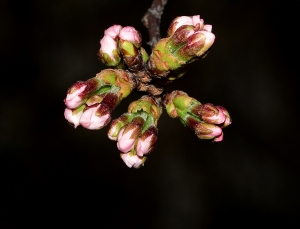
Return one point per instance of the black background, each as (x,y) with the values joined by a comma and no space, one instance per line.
(53,175)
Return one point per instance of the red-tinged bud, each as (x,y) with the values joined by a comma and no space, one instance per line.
(129,133)
(209,113)
(184,20)
(228,120)
(209,40)
(95,117)
(133,160)
(130,34)
(115,127)
(80,91)
(73,116)
(147,141)
(208,131)
(74,98)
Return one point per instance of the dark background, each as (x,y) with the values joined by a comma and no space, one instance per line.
(53,175)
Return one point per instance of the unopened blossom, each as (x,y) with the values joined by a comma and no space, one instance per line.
(210,113)
(133,160)
(74,98)
(129,33)
(95,117)
(116,126)
(184,20)
(129,133)
(108,52)
(207,131)
(73,116)
(79,92)
(113,31)
(147,141)
(227,121)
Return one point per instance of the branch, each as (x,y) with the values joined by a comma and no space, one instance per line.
(151,20)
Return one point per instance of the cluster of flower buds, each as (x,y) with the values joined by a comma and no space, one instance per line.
(188,39)
(122,45)
(91,102)
(136,131)
(206,120)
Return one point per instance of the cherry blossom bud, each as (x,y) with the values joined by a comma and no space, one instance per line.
(115,127)
(129,133)
(130,34)
(228,120)
(210,113)
(147,141)
(73,116)
(74,98)
(108,52)
(113,31)
(95,117)
(184,20)
(80,91)
(209,40)
(208,131)
(133,160)
(203,130)
(219,138)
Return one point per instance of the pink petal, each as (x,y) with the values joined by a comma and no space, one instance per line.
(207,28)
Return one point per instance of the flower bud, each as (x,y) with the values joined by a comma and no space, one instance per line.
(209,40)
(133,160)
(95,117)
(184,20)
(228,120)
(74,98)
(207,131)
(80,91)
(113,31)
(115,127)
(73,116)
(130,34)
(210,113)
(129,133)
(108,52)
(147,141)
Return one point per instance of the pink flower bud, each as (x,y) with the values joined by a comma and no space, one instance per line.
(130,34)
(74,97)
(95,117)
(147,141)
(128,134)
(108,45)
(184,20)
(210,114)
(113,31)
(219,138)
(116,126)
(132,160)
(207,131)
(73,116)
(209,40)
(227,121)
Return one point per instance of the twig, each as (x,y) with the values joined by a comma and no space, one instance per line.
(151,20)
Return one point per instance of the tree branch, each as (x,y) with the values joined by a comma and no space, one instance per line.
(151,20)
